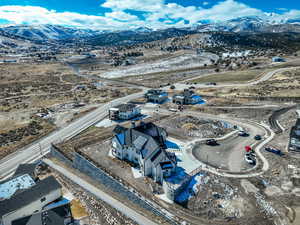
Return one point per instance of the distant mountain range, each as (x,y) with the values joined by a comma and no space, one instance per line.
(56,34)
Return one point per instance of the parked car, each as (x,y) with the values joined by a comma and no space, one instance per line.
(274,150)
(251,155)
(211,83)
(211,142)
(173,110)
(257,137)
(250,160)
(243,134)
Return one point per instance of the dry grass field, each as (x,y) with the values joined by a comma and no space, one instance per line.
(28,89)
(231,76)
(285,84)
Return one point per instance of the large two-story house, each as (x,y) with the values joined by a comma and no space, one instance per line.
(156,96)
(144,145)
(187,97)
(124,112)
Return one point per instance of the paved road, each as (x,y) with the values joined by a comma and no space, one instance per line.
(133,214)
(36,150)
(265,77)
(231,150)
(42,147)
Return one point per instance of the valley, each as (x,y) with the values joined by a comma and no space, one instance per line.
(183,125)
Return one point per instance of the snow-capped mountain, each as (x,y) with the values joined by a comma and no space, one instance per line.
(252,24)
(55,33)
(48,32)
(143,30)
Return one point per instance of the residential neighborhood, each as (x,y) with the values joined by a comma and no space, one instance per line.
(25,199)
(155,112)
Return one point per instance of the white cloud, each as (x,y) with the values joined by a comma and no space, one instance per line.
(140,5)
(157,13)
(120,15)
(205,3)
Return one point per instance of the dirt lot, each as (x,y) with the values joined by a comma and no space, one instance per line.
(192,127)
(225,199)
(231,76)
(28,89)
(159,79)
(15,137)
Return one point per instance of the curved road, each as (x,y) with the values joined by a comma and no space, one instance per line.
(265,77)
(41,147)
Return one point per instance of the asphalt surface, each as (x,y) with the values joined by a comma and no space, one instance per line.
(228,155)
(41,147)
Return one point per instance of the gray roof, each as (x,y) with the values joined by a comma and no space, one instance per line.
(186,94)
(155,92)
(26,169)
(50,217)
(125,107)
(30,195)
(146,137)
(296,130)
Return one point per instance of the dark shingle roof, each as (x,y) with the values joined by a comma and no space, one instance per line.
(119,129)
(25,169)
(146,137)
(30,195)
(126,107)
(295,130)
(50,217)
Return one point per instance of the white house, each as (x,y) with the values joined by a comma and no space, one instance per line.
(124,112)
(144,145)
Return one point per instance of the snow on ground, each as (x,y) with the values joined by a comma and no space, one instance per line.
(68,195)
(192,189)
(164,198)
(106,123)
(136,172)
(183,61)
(110,154)
(236,54)
(187,162)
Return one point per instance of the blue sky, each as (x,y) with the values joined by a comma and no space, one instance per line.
(124,14)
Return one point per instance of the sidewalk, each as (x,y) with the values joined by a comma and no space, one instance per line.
(140,219)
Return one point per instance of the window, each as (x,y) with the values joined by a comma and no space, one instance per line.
(43,199)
